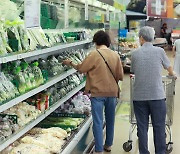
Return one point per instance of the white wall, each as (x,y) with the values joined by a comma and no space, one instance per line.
(171,23)
(156,24)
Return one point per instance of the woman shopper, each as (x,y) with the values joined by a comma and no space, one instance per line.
(148,93)
(176,54)
(101,82)
(166,35)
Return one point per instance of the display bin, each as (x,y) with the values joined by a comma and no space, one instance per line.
(44,22)
(45,10)
(52,23)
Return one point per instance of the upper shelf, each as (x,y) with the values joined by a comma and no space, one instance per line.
(13,57)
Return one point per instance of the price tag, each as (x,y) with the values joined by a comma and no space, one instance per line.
(19,56)
(4,60)
(32,13)
(66,13)
(107,14)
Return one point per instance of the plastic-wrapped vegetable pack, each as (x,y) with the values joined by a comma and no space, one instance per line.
(54,67)
(7,89)
(37,73)
(25,113)
(24,38)
(7,127)
(3,50)
(79,104)
(11,13)
(39,140)
(13,35)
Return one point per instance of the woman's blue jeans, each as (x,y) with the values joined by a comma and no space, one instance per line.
(157,110)
(97,105)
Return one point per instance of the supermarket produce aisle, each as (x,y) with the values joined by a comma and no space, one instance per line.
(122,124)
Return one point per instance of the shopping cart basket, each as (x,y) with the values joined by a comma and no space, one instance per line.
(169,87)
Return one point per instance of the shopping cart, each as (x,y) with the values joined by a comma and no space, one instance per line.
(169,87)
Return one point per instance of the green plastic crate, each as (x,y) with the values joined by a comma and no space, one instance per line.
(45,10)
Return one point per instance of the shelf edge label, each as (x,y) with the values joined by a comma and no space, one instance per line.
(32,13)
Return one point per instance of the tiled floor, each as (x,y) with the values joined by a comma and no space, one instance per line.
(122,121)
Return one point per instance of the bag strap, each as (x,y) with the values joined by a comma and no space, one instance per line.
(107,65)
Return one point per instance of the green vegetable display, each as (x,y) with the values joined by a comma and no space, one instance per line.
(62,122)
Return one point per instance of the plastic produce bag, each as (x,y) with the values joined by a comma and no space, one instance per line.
(13,35)
(54,66)
(10,88)
(37,73)
(12,13)
(39,35)
(3,42)
(26,76)
(23,37)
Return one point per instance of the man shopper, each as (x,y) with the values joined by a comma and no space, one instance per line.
(148,92)
(101,82)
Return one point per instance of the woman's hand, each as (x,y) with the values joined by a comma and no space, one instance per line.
(67,62)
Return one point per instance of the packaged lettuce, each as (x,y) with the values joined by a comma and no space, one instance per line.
(2,47)
(13,35)
(37,73)
(31,76)
(24,67)
(3,50)
(10,88)
(4,36)
(3,93)
(23,38)
(54,67)
(19,80)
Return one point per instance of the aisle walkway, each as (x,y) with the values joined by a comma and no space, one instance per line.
(122,122)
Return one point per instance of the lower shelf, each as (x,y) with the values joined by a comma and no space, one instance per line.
(34,122)
(69,148)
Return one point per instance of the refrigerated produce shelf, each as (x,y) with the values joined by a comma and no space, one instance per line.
(19,56)
(34,122)
(72,144)
(48,84)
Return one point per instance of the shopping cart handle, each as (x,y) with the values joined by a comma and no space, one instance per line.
(170,77)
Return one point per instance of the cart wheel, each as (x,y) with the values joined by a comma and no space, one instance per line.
(169,148)
(127,146)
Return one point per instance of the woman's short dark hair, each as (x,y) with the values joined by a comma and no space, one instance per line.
(102,38)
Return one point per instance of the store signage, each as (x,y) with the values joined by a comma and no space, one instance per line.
(32,13)
(118,4)
(86,10)
(136,6)
(164,8)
